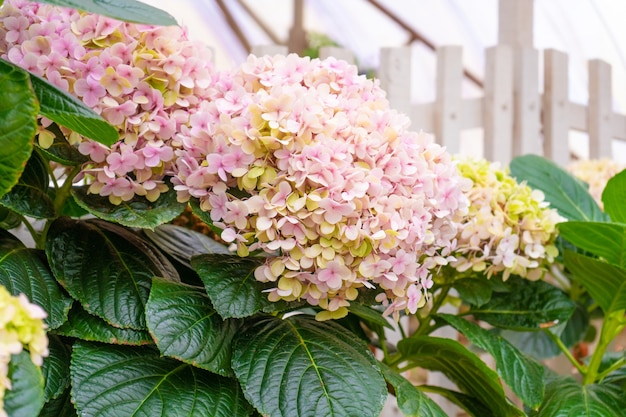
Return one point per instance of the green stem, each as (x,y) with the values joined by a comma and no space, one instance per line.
(61,196)
(33,233)
(581,368)
(426,327)
(611,326)
(616,365)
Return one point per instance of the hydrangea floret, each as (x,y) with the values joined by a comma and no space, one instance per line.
(21,326)
(509,228)
(304,160)
(596,173)
(147,81)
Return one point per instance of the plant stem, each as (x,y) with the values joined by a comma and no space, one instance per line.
(581,367)
(616,365)
(31,230)
(61,196)
(611,326)
(425,327)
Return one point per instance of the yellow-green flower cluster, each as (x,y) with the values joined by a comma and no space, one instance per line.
(596,173)
(509,229)
(21,326)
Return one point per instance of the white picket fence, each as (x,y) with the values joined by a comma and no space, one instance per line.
(516,117)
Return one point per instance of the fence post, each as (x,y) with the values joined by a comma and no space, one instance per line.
(394,73)
(262,50)
(338,53)
(527,104)
(498,104)
(556,107)
(448,97)
(600,112)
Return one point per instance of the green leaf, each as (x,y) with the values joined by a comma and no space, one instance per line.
(59,407)
(522,374)
(231,286)
(107,268)
(300,367)
(411,401)
(566,398)
(18,123)
(25,398)
(605,282)
(138,212)
(528,305)
(61,151)
(182,243)
(369,315)
(56,368)
(564,192)
(85,326)
(185,326)
(125,10)
(614,196)
(9,242)
(462,367)
(68,111)
(540,346)
(114,381)
(29,197)
(24,270)
(606,240)
(475,291)
(468,403)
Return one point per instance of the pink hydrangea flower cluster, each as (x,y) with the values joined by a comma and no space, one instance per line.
(509,228)
(305,160)
(146,81)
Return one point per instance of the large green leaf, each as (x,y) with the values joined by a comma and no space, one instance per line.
(18,123)
(106,267)
(567,398)
(25,398)
(564,192)
(468,403)
(527,305)
(614,196)
(540,346)
(411,401)
(605,282)
(475,291)
(301,367)
(464,368)
(522,374)
(606,240)
(230,283)
(68,111)
(59,407)
(84,326)
(56,368)
(126,10)
(24,270)
(182,243)
(185,326)
(114,381)
(29,197)
(138,212)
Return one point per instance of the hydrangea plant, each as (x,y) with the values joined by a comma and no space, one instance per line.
(335,224)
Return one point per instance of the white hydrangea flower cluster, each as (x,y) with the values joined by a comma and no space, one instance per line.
(509,229)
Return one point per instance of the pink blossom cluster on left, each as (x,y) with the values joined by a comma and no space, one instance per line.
(147,81)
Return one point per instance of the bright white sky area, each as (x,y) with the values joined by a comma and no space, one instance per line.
(584,29)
